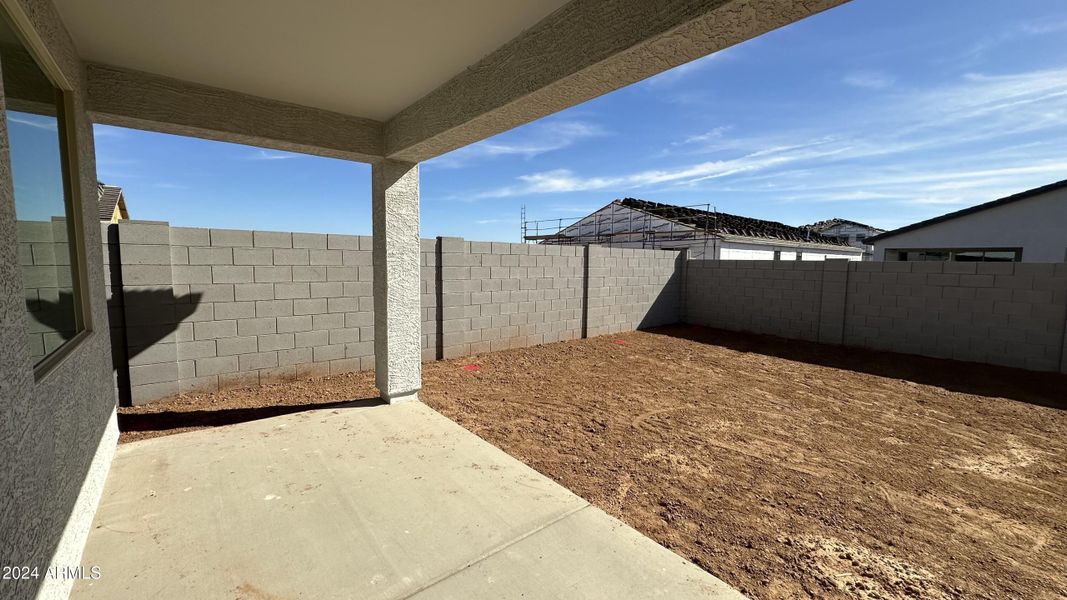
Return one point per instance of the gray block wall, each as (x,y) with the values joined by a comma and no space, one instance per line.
(206,309)
(1010,314)
(44,258)
(498,295)
(762,296)
(196,310)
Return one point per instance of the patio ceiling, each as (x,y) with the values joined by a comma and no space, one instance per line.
(366,58)
(403,79)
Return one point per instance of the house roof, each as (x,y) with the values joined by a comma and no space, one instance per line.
(109,196)
(820,226)
(969,211)
(724,223)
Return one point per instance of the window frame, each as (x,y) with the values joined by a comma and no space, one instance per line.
(70,166)
(952,252)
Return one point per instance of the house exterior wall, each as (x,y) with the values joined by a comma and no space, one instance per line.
(57,433)
(1036,225)
(1010,314)
(733,250)
(854,235)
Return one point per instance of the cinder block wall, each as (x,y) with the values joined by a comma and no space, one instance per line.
(44,258)
(203,309)
(499,295)
(761,296)
(206,309)
(631,288)
(1011,314)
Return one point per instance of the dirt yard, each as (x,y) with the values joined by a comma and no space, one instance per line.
(789,470)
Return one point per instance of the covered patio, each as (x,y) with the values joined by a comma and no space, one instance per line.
(364,501)
(408,503)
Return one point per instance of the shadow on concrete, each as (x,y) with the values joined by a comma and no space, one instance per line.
(179,419)
(1033,387)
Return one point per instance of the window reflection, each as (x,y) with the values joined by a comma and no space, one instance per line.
(34,120)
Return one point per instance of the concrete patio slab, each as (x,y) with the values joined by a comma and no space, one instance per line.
(380,502)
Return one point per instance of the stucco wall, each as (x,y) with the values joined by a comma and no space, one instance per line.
(1035,224)
(50,428)
(998,313)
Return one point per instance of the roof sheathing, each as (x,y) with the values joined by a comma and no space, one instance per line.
(727,224)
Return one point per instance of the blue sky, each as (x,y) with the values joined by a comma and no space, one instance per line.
(885,112)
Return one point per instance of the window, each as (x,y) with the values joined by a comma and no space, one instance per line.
(956,254)
(45,224)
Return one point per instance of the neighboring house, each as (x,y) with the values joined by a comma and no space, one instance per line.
(1030,226)
(854,233)
(111,203)
(633,223)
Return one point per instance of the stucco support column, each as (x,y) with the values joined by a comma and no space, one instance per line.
(397,292)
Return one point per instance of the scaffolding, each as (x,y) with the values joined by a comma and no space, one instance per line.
(619,225)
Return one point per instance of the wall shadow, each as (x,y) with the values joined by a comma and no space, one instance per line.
(1033,387)
(153,314)
(667,308)
(179,419)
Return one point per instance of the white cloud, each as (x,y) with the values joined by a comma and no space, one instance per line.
(869,80)
(677,74)
(35,121)
(965,141)
(1042,27)
(261,154)
(564,180)
(107,131)
(532,140)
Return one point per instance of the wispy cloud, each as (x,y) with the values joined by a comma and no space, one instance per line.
(107,131)
(527,142)
(869,80)
(35,121)
(260,154)
(1010,33)
(565,180)
(166,185)
(1042,27)
(958,143)
(681,72)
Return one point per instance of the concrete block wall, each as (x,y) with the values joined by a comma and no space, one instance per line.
(1010,314)
(632,288)
(773,297)
(196,310)
(206,309)
(44,258)
(497,295)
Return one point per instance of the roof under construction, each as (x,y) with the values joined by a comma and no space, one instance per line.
(727,224)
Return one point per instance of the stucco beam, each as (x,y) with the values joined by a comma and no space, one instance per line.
(144,101)
(583,50)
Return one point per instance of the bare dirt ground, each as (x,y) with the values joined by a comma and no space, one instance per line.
(787,469)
